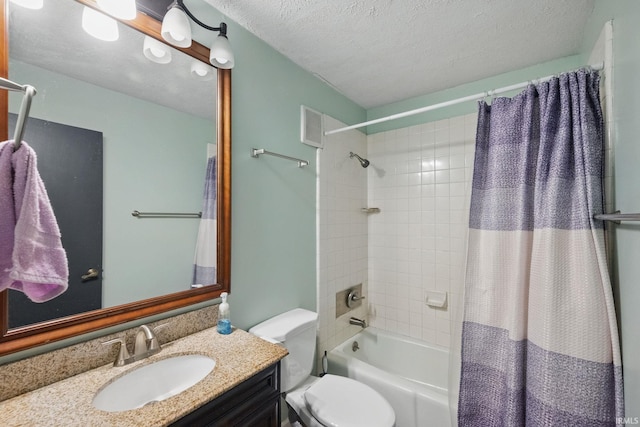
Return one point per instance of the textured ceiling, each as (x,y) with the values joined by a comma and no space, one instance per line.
(380,51)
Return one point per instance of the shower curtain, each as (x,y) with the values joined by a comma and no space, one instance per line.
(205,263)
(539,338)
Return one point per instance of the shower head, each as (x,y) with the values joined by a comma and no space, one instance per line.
(363,162)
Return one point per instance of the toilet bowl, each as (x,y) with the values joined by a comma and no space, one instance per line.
(328,401)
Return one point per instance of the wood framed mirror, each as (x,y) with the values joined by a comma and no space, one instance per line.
(14,339)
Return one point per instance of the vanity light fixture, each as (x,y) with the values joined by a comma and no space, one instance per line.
(175,26)
(201,71)
(156,51)
(29,4)
(177,31)
(122,9)
(221,54)
(99,25)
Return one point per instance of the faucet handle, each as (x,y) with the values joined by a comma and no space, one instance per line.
(123,353)
(155,329)
(353,297)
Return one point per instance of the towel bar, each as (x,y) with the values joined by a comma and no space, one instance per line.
(255,152)
(139,214)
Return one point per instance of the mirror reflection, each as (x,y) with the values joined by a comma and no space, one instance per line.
(135,135)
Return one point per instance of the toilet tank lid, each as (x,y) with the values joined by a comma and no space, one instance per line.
(286,324)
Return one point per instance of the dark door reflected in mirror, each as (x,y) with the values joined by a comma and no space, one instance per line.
(70,165)
(147,129)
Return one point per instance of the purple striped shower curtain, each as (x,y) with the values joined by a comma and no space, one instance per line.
(205,263)
(539,337)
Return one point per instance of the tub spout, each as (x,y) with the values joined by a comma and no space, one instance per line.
(358,322)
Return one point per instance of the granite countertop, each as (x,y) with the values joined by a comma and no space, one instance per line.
(238,357)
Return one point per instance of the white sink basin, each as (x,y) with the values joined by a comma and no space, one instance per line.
(153,382)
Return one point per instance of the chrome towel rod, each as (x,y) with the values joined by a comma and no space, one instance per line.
(139,214)
(255,152)
(617,217)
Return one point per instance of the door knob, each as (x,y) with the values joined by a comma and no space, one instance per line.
(92,273)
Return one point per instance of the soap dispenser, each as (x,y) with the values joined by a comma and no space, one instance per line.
(224,319)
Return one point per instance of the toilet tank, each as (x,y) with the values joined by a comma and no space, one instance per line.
(296,331)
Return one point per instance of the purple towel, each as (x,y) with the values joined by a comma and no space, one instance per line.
(32,259)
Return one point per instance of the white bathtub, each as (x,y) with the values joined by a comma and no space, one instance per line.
(410,374)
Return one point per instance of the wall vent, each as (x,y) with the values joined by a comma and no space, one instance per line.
(311,127)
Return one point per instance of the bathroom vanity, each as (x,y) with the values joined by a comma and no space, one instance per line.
(242,389)
(255,402)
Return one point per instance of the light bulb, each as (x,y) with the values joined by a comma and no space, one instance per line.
(29,4)
(122,9)
(99,25)
(202,71)
(156,51)
(176,28)
(221,54)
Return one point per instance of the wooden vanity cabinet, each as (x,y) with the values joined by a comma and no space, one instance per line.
(253,403)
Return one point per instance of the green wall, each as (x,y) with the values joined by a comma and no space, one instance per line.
(274,202)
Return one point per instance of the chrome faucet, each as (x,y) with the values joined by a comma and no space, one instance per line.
(145,345)
(358,322)
(146,342)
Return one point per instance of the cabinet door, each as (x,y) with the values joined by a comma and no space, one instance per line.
(253,403)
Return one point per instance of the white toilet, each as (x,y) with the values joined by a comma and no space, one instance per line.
(330,401)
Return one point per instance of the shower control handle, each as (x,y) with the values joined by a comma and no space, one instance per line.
(353,298)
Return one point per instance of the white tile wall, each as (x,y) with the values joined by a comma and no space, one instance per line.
(420,179)
(342,231)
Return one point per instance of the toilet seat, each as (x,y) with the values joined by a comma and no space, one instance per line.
(338,401)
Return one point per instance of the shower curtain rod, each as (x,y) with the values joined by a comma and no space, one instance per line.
(617,217)
(595,67)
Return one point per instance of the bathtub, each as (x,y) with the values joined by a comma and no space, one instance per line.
(410,374)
